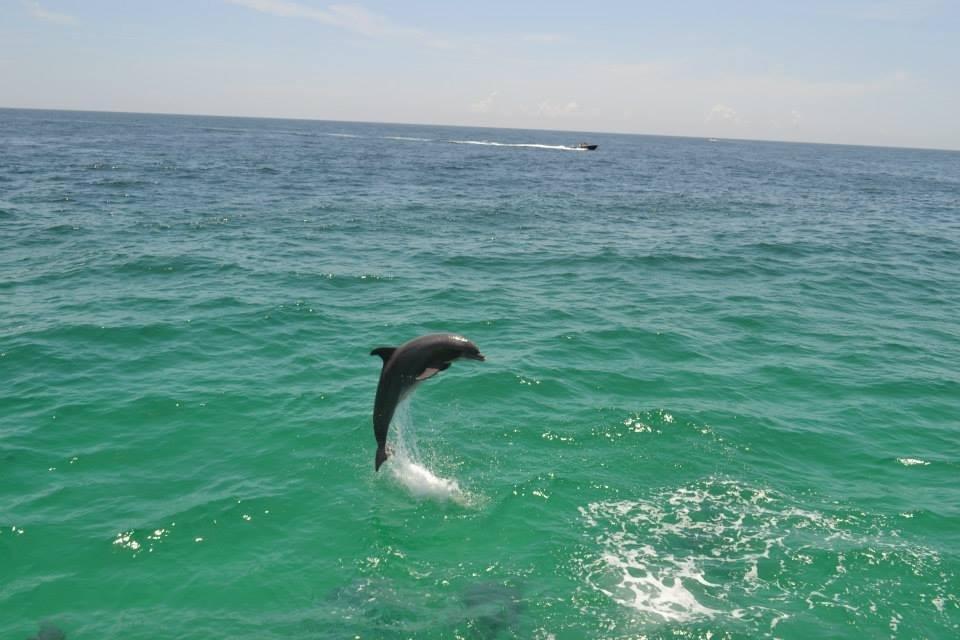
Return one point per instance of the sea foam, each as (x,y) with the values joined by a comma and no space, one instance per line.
(716,549)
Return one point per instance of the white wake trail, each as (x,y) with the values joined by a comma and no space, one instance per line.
(486,143)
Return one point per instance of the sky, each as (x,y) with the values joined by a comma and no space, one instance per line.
(875,72)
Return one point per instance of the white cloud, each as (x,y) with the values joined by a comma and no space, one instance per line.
(550,109)
(723,113)
(786,122)
(518,105)
(349,17)
(40,13)
(484,105)
(789,87)
(676,98)
(356,18)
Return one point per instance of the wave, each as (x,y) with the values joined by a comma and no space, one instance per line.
(528,145)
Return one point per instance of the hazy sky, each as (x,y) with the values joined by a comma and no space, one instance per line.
(883,72)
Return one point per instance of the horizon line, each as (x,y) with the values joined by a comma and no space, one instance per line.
(467,126)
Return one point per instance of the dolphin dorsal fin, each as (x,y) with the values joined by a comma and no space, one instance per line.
(383,352)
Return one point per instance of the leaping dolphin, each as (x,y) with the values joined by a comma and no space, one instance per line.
(406,366)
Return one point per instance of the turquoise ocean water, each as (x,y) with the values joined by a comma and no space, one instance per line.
(721,396)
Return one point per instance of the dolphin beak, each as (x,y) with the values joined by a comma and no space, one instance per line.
(478,356)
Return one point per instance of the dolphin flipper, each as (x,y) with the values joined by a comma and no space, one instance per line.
(429,372)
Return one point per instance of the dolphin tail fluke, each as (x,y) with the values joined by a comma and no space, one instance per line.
(381,457)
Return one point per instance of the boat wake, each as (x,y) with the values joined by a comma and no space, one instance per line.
(406,466)
(407,138)
(486,143)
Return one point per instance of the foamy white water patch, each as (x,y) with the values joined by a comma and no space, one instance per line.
(912,462)
(486,143)
(422,482)
(407,138)
(711,552)
(407,468)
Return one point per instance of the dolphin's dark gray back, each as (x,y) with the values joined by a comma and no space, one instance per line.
(406,366)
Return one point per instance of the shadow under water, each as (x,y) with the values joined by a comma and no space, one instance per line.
(484,611)
(49,631)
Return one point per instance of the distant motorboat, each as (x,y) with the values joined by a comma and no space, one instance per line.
(588,147)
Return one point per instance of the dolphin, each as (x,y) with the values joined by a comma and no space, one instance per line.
(404,367)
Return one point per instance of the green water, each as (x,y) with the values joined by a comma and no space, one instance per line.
(720,398)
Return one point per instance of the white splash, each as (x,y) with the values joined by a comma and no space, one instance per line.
(422,482)
(910,462)
(407,468)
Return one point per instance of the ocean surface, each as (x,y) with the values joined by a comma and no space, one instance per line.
(721,396)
